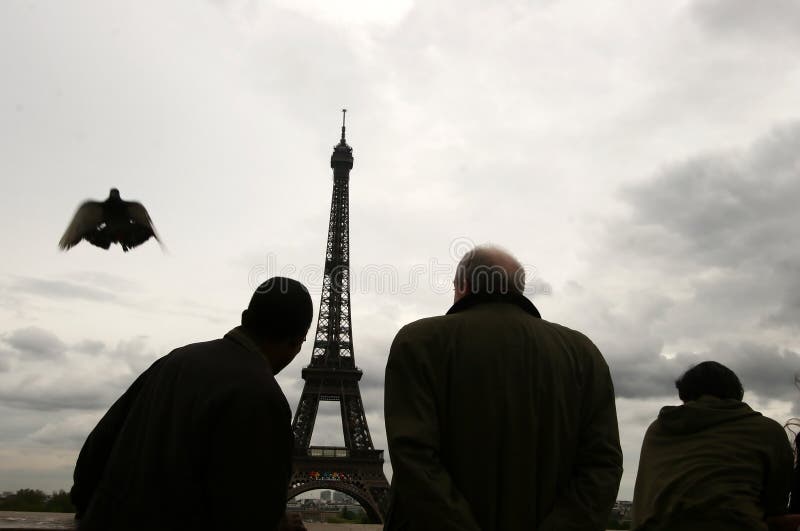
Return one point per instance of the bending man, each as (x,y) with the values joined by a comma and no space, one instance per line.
(202,439)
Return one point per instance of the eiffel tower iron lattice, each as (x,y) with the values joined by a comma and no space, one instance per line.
(356,468)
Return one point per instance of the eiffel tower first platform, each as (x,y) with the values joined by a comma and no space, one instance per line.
(356,468)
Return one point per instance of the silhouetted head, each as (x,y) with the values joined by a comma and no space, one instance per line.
(709,378)
(113,194)
(278,318)
(488,269)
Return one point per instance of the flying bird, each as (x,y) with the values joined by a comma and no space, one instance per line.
(111,221)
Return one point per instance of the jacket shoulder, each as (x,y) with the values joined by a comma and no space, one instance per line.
(570,334)
(424,326)
(201,346)
(439,328)
(771,426)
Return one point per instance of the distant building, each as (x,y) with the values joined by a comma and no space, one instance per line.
(341,497)
(325,495)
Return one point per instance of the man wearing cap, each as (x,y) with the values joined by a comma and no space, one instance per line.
(202,439)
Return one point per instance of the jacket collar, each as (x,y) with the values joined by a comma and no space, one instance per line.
(238,335)
(473,299)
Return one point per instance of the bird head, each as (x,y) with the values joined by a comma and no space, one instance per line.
(113,194)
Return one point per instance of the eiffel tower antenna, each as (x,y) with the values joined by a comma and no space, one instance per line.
(357,467)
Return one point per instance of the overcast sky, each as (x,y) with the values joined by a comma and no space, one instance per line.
(641,158)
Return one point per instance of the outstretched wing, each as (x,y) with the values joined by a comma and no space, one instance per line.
(142,226)
(85,221)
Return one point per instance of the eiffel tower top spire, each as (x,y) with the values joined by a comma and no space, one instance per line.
(342,158)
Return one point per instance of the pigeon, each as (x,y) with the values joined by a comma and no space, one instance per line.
(111,221)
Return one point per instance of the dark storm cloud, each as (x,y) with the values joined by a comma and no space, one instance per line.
(727,209)
(774,21)
(36,342)
(767,371)
(654,376)
(711,251)
(787,313)
(727,225)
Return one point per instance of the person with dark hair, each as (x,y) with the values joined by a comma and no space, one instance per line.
(498,420)
(712,463)
(202,439)
(709,378)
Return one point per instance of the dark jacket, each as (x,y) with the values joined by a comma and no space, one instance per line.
(499,420)
(200,441)
(711,465)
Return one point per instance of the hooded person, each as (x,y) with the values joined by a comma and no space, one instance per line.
(712,463)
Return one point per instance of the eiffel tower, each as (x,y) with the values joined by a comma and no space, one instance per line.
(356,468)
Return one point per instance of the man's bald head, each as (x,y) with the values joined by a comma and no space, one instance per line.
(491,270)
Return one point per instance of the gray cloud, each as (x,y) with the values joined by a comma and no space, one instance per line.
(711,254)
(787,314)
(62,289)
(765,370)
(89,346)
(725,226)
(50,375)
(5,360)
(61,394)
(70,431)
(36,342)
(134,354)
(725,209)
(107,281)
(764,22)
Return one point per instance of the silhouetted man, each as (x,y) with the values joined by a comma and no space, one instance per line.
(202,439)
(497,419)
(711,464)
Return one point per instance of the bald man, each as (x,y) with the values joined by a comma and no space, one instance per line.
(496,418)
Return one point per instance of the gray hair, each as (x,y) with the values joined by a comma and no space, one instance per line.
(490,269)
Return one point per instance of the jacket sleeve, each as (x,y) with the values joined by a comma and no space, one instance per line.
(421,486)
(779,475)
(250,460)
(96,450)
(586,500)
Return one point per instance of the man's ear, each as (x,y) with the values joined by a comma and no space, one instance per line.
(461,288)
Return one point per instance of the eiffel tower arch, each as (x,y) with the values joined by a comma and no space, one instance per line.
(357,467)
